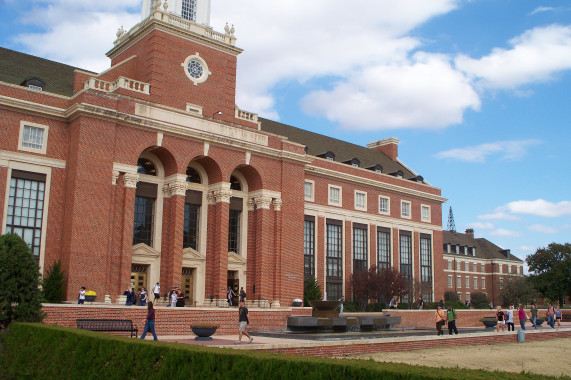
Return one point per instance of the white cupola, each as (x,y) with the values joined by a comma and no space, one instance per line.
(193,10)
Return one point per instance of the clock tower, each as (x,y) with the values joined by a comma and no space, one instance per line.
(187,65)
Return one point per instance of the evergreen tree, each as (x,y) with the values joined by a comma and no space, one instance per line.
(311,291)
(53,284)
(20,296)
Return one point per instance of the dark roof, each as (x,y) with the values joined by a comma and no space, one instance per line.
(16,67)
(485,249)
(344,151)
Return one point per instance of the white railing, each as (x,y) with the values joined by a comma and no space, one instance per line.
(121,82)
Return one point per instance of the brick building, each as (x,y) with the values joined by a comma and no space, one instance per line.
(476,265)
(149,172)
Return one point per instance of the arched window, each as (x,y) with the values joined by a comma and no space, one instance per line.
(192,175)
(235,184)
(145,166)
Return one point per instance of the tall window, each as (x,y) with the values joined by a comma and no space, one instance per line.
(359,247)
(406,255)
(144,217)
(334,195)
(425,213)
(189,10)
(383,205)
(190,232)
(25,208)
(426,267)
(449,281)
(334,257)
(360,200)
(309,247)
(234,232)
(483,283)
(405,209)
(383,248)
(308,190)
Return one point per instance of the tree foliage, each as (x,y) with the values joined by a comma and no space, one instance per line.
(53,283)
(480,300)
(516,290)
(378,284)
(20,296)
(451,296)
(550,271)
(311,291)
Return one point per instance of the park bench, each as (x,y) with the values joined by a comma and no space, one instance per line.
(107,325)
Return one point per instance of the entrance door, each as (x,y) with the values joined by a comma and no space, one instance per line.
(187,285)
(139,277)
(233,283)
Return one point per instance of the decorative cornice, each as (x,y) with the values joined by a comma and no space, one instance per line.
(369,182)
(131,180)
(219,195)
(6,156)
(262,202)
(175,188)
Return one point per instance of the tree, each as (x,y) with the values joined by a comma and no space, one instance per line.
(20,296)
(362,281)
(53,284)
(311,290)
(517,290)
(451,296)
(391,283)
(480,300)
(550,271)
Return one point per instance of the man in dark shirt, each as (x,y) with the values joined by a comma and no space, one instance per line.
(244,320)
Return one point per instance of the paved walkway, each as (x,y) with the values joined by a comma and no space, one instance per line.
(275,341)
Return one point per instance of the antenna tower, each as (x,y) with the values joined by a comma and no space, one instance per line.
(451,224)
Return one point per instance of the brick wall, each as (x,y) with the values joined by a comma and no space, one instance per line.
(174,321)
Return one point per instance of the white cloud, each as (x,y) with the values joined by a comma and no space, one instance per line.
(542,9)
(423,93)
(540,207)
(535,56)
(500,232)
(508,150)
(499,215)
(482,226)
(542,228)
(527,248)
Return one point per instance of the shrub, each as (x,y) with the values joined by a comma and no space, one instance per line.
(53,284)
(20,296)
(480,300)
(311,290)
(451,296)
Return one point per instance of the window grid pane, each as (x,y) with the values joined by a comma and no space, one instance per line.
(334,251)
(383,205)
(383,249)
(309,248)
(143,223)
(406,256)
(234,232)
(33,137)
(426,268)
(25,220)
(189,10)
(191,226)
(359,248)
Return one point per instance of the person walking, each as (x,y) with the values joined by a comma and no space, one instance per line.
(242,294)
(558,316)
(229,294)
(533,312)
(420,303)
(157,292)
(510,319)
(551,315)
(81,296)
(244,321)
(522,316)
(501,318)
(451,314)
(150,322)
(342,299)
(174,296)
(440,320)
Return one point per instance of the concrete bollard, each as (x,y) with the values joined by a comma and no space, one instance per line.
(521,336)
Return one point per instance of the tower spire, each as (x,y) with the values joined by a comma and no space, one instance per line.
(451,224)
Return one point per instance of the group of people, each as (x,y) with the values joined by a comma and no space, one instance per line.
(132,298)
(444,317)
(553,316)
(230,295)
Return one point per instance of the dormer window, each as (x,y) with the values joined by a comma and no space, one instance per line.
(353,162)
(34,83)
(418,178)
(329,155)
(376,168)
(398,174)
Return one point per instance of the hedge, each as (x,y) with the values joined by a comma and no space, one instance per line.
(50,352)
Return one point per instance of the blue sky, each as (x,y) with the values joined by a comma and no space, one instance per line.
(476,91)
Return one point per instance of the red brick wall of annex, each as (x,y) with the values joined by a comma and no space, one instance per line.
(174,321)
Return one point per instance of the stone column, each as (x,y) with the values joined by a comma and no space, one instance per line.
(264,256)
(172,235)
(277,222)
(217,252)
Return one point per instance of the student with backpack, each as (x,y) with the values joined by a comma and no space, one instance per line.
(451,316)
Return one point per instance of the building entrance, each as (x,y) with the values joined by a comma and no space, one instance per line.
(188,285)
(138,279)
(233,283)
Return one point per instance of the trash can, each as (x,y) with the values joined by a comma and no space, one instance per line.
(521,336)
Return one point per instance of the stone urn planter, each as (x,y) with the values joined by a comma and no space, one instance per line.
(203,332)
(90,296)
(489,322)
(297,302)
